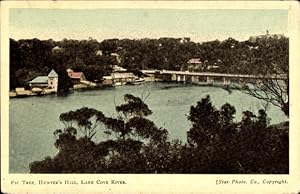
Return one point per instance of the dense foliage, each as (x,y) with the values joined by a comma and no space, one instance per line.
(32,57)
(134,144)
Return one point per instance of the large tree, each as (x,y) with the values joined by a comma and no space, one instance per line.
(272,61)
(131,139)
(217,144)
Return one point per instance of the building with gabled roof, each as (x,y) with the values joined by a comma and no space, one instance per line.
(76,77)
(49,82)
(52,73)
(39,80)
(194,61)
(119,78)
(194,64)
(53,80)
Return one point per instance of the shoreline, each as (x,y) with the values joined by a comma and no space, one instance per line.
(29,93)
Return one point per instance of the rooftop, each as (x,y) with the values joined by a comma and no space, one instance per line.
(118,68)
(39,80)
(52,73)
(195,61)
(122,75)
(75,75)
(119,76)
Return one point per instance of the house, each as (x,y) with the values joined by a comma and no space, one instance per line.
(194,61)
(53,80)
(76,77)
(119,78)
(42,83)
(117,57)
(195,64)
(78,80)
(107,80)
(254,39)
(39,82)
(57,49)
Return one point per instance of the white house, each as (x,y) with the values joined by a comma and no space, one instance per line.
(49,83)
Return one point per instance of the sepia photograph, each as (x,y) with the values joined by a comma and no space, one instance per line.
(148,90)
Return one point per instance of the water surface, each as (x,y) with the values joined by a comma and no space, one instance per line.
(33,120)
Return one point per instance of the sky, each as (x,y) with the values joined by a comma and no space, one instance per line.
(200,25)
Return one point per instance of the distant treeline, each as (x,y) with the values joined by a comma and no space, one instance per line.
(33,57)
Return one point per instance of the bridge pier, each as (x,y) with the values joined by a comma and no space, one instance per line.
(181,78)
(226,81)
(174,77)
(209,80)
(195,79)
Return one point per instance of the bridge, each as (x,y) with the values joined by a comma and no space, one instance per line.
(209,78)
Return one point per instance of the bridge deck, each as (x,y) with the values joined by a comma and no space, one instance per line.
(211,74)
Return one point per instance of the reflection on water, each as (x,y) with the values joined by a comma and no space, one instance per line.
(33,120)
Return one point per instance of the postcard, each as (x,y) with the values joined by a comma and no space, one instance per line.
(150,96)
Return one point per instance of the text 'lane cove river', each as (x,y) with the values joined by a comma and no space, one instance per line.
(33,120)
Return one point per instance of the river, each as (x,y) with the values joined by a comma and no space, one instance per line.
(32,120)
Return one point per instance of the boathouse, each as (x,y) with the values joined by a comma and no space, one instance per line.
(119,78)
(41,83)
(76,77)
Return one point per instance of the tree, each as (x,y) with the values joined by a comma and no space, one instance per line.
(272,58)
(32,57)
(84,119)
(216,143)
(272,91)
(211,138)
(259,145)
(128,150)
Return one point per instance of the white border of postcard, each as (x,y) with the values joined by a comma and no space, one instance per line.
(161,182)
